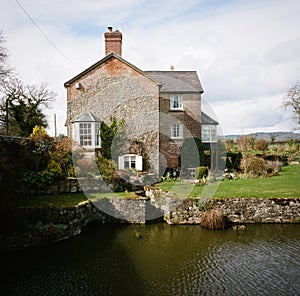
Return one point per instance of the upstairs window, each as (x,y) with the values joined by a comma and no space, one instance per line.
(176,103)
(176,131)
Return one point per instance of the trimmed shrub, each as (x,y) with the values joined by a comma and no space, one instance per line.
(201,172)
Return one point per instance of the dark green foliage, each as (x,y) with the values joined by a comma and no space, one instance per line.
(106,168)
(201,172)
(14,159)
(37,161)
(38,180)
(233,160)
(112,137)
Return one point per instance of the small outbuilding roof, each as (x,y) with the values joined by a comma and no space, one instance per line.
(87,117)
(207,120)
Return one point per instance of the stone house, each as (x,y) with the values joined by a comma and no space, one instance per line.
(160,109)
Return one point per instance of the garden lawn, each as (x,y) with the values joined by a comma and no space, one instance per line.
(63,200)
(285,184)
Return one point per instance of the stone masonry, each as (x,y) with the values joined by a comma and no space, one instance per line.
(115,88)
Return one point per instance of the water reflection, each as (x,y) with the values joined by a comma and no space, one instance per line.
(167,260)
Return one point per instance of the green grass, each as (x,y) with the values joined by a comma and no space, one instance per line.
(57,200)
(97,196)
(285,184)
(45,200)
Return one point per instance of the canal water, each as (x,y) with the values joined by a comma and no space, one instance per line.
(109,259)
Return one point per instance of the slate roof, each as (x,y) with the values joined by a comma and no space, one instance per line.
(87,117)
(177,81)
(207,120)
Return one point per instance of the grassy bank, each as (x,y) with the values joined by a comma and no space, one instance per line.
(285,184)
(65,200)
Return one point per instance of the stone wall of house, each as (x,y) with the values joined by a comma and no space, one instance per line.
(116,89)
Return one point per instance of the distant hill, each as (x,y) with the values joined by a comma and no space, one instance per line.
(279,137)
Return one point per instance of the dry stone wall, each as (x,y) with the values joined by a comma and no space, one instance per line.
(53,224)
(236,210)
(239,210)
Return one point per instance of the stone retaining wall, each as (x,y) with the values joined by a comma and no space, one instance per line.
(53,224)
(238,210)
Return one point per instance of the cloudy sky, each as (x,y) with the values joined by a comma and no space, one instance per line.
(246,52)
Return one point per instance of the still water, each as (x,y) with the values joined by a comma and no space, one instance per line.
(108,259)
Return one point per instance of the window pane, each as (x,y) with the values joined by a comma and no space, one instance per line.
(214,134)
(175,102)
(97,134)
(176,130)
(85,135)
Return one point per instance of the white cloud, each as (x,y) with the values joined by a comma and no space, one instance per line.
(246,52)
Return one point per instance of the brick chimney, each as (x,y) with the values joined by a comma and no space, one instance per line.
(113,41)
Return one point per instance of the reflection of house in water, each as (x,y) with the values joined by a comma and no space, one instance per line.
(160,108)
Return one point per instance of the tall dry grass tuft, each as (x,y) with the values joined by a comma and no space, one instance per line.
(213,219)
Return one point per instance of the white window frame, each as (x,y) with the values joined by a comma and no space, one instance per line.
(209,133)
(87,134)
(176,131)
(97,139)
(176,102)
(130,161)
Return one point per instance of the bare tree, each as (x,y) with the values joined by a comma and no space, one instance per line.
(292,99)
(21,107)
(5,68)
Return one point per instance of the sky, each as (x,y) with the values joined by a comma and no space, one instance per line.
(246,52)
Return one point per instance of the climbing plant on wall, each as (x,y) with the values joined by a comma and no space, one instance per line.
(112,136)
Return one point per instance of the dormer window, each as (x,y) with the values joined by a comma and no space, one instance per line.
(176,102)
(87,131)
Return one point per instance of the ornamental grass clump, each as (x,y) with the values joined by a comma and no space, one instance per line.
(213,219)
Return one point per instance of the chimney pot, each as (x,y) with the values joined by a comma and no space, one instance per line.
(113,41)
